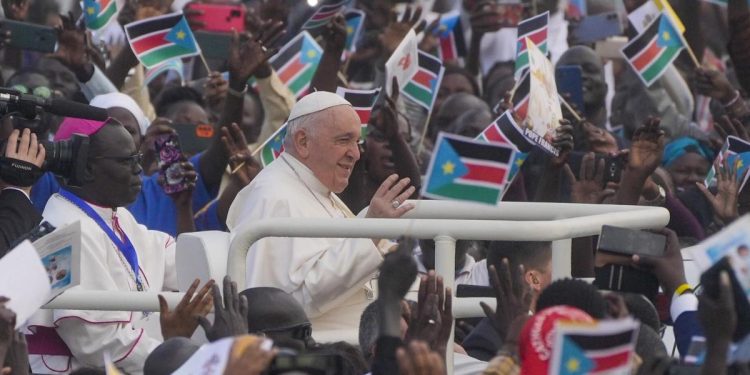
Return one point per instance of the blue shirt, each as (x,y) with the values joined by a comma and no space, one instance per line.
(152,207)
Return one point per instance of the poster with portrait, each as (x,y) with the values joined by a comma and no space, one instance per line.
(60,252)
(544,114)
(732,242)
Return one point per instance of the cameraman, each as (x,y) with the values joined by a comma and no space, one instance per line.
(17,214)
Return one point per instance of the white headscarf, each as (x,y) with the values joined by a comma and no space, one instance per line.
(118,99)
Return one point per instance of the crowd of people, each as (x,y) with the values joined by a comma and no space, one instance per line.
(384,309)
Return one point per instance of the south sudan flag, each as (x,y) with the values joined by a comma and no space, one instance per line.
(158,39)
(467,169)
(98,13)
(652,52)
(534,28)
(505,130)
(296,63)
(422,88)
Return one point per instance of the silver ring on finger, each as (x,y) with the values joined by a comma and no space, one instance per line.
(263,48)
(395,203)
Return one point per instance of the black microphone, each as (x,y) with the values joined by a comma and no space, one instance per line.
(30,106)
(69,108)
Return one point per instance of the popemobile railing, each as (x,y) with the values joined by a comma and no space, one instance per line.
(443,221)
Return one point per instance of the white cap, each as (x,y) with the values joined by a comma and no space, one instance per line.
(316,102)
(118,99)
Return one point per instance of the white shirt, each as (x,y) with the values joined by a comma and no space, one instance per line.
(89,334)
(478,275)
(326,275)
(462,276)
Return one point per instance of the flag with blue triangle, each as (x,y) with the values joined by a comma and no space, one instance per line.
(467,169)
(737,154)
(159,39)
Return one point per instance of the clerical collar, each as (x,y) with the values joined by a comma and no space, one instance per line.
(306,175)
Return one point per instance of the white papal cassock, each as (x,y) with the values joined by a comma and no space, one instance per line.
(330,277)
(75,338)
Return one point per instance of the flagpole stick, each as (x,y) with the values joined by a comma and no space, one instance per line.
(424,134)
(205,63)
(569,108)
(692,54)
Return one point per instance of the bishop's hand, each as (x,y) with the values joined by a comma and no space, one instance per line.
(388,201)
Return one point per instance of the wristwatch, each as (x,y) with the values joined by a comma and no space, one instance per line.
(659,200)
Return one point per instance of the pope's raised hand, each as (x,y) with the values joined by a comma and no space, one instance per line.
(388,201)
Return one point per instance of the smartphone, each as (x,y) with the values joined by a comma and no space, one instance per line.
(169,156)
(214,45)
(612,165)
(612,169)
(219,17)
(569,82)
(631,241)
(194,138)
(710,286)
(596,27)
(29,36)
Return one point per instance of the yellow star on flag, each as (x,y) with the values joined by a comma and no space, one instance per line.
(312,53)
(349,29)
(448,167)
(666,36)
(519,162)
(573,365)
(90,10)
(739,163)
(180,35)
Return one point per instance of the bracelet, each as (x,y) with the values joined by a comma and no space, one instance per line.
(236,93)
(734,99)
(682,289)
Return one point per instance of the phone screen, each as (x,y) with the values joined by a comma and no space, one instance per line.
(170,156)
(631,241)
(569,82)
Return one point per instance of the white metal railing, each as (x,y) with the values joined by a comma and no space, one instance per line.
(443,221)
(508,221)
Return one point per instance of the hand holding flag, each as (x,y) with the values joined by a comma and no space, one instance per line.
(247,53)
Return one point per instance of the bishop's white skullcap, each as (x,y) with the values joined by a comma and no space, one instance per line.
(315,102)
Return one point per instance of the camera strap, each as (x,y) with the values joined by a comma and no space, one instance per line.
(18,172)
(125,246)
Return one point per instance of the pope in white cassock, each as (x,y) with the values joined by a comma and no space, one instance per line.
(328,276)
(117,254)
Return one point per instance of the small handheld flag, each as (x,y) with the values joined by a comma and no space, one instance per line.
(355,19)
(272,147)
(604,347)
(362,101)
(534,29)
(451,35)
(505,130)
(174,65)
(324,14)
(296,63)
(423,86)
(652,52)
(402,64)
(467,169)
(98,13)
(576,9)
(159,39)
(737,153)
